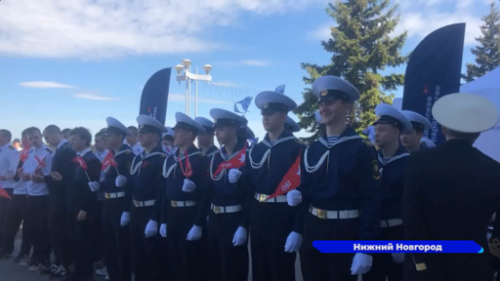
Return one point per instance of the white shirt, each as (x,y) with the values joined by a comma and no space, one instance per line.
(9,159)
(46,155)
(137,148)
(101,154)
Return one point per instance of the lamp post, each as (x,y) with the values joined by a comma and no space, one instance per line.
(184,74)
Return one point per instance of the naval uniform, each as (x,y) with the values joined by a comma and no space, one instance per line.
(147,181)
(272,220)
(229,211)
(392,172)
(82,198)
(58,211)
(9,159)
(116,201)
(212,151)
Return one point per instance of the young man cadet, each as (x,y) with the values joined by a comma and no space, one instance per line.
(185,203)
(9,159)
(147,182)
(451,191)
(206,139)
(36,167)
(274,231)
(64,167)
(392,158)
(116,203)
(100,145)
(412,141)
(133,140)
(291,125)
(83,203)
(168,141)
(339,187)
(16,213)
(229,219)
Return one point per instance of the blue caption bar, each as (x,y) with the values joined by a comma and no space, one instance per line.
(343,247)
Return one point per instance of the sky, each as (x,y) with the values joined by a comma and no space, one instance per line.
(75,62)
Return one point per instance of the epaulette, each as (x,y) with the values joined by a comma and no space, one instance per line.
(11,147)
(367,142)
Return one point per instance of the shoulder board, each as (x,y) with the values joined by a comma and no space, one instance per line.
(49,150)
(367,142)
(11,147)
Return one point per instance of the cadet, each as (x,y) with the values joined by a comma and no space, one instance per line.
(339,187)
(147,181)
(206,139)
(451,191)
(133,141)
(64,167)
(116,203)
(291,125)
(83,204)
(168,141)
(185,203)
(392,160)
(275,233)
(229,220)
(413,140)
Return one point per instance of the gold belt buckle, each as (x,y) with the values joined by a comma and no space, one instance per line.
(262,197)
(216,209)
(173,203)
(321,214)
(136,203)
(106,195)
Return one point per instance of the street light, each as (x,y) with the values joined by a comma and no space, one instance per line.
(184,74)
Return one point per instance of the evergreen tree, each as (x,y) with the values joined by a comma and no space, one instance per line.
(488,52)
(361,47)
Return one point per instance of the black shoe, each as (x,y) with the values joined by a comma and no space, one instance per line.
(59,274)
(46,269)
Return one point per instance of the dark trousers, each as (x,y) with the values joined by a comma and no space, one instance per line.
(4,203)
(36,224)
(82,238)
(383,267)
(188,258)
(227,262)
(116,241)
(60,234)
(317,266)
(16,213)
(98,234)
(147,261)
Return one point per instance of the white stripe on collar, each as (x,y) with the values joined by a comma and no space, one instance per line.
(392,159)
(84,152)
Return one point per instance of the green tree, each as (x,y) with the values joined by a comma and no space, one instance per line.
(488,52)
(361,47)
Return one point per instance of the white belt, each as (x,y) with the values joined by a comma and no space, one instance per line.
(144,203)
(263,198)
(182,203)
(114,195)
(334,215)
(226,209)
(390,223)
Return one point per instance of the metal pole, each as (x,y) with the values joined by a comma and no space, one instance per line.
(189,93)
(186,106)
(196,95)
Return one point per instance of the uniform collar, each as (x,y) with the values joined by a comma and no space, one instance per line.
(85,151)
(156,149)
(124,147)
(61,143)
(348,132)
(286,133)
(239,146)
(401,150)
(190,150)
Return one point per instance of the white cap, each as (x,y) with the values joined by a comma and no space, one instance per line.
(388,114)
(148,124)
(465,113)
(271,101)
(205,123)
(187,123)
(414,117)
(226,117)
(332,87)
(169,132)
(114,123)
(291,125)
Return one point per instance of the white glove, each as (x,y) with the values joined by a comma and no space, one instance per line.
(361,264)
(151,228)
(194,234)
(240,236)
(234,175)
(398,257)
(163,230)
(188,186)
(293,242)
(120,181)
(94,186)
(294,197)
(125,219)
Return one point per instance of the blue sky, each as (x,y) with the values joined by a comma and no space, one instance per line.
(75,63)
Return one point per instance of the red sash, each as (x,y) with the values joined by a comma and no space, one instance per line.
(186,168)
(290,181)
(236,162)
(109,160)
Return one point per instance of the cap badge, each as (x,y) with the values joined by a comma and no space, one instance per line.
(324,93)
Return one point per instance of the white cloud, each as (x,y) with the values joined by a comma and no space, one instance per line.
(44,84)
(93,96)
(323,32)
(182,98)
(112,28)
(225,84)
